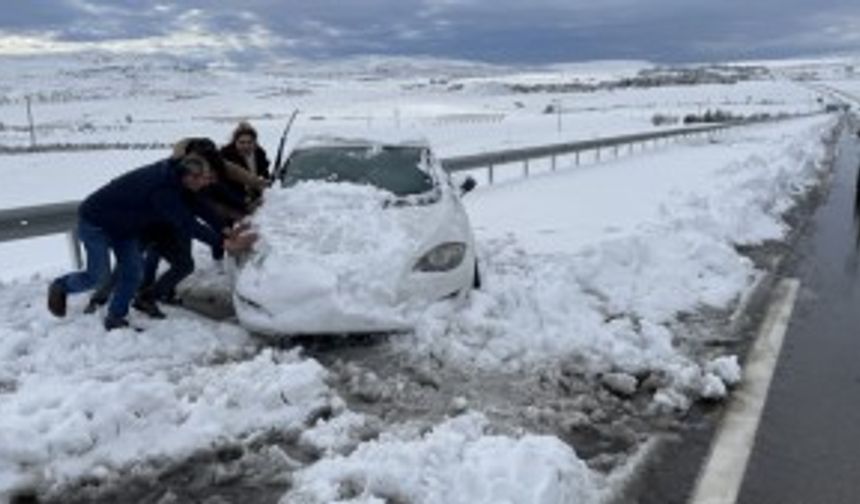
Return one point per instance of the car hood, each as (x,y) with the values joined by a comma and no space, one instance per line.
(329,248)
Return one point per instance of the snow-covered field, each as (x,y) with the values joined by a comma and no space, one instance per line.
(587,271)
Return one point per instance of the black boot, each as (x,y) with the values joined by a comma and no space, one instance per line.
(57,299)
(172,299)
(94,305)
(112,323)
(148,306)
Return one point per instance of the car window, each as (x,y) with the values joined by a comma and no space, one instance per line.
(395,169)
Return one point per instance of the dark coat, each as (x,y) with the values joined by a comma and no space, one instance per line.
(229,153)
(136,202)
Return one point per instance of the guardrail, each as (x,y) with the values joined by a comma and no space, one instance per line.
(491,160)
(56,218)
(79,147)
(41,220)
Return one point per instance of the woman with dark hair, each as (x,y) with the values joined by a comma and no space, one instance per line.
(245,151)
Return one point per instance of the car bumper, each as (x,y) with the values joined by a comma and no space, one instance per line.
(317,316)
(327,311)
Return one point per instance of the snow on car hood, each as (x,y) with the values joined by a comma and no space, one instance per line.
(332,250)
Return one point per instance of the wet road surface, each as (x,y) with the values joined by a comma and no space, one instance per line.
(807,450)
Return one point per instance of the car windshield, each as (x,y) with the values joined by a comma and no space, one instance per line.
(395,169)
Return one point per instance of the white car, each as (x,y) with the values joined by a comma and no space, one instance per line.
(360,237)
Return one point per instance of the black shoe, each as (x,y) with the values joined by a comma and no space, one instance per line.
(57,299)
(148,307)
(171,299)
(94,305)
(112,323)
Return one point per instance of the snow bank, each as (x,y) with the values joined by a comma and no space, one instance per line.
(76,401)
(659,240)
(456,462)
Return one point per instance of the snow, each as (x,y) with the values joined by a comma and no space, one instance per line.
(65,176)
(457,462)
(329,252)
(82,402)
(592,264)
(570,272)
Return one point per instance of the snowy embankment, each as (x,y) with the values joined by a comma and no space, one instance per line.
(593,265)
(83,405)
(454,463)
(78,402)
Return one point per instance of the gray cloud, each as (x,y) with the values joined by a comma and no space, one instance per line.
(491,30)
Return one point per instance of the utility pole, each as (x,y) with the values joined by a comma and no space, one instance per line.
(557,103)
(30,119)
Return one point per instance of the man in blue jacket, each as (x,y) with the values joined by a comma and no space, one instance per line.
(115,216)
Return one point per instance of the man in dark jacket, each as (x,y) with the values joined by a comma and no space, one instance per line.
(115,216)
(215,205)
(160,242)
(176,248)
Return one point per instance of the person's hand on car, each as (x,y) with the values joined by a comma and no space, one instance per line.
(239,238)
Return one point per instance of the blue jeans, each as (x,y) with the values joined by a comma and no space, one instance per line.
(128,265)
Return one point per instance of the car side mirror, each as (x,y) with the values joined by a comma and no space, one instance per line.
(467,185)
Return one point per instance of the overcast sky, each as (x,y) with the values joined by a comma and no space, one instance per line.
(500,31)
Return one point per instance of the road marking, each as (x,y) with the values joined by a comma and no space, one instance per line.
(720,480)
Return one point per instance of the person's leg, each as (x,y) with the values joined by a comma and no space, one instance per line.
(177,252)
(151,258)
(102,293)
(129,271)
(98,260)
(97,266)
(144,301)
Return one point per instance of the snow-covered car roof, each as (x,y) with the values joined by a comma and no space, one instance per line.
(317,141)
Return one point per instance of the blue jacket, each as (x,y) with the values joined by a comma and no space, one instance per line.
(145,197)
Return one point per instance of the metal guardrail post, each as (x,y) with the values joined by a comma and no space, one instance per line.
(526,168)
(75,248)
(490,174)
(552,162)
(577,158)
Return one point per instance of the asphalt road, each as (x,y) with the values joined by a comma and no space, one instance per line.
(807,449)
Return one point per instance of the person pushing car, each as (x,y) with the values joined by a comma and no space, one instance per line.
(113,219)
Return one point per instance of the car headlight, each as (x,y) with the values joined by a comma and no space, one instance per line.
(444,257)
